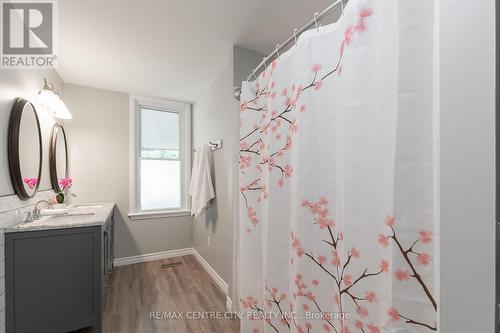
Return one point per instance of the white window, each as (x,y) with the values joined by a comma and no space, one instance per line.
(161,150)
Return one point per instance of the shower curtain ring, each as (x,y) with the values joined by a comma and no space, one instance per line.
(295,35)
(342,6)
(316,21)
(277,50)
(265,64)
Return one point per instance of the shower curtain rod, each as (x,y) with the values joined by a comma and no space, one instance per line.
(314,22)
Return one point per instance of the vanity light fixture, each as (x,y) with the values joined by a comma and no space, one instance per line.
(49,98)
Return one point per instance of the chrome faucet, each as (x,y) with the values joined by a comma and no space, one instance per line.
(36,210)
(29,217)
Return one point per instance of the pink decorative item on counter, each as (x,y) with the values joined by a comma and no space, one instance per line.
(64,185)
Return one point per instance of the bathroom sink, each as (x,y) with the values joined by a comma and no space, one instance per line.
(50,212)
(87,206)
(70,211)
(74,214)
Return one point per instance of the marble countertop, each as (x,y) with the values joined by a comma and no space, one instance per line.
(94,216)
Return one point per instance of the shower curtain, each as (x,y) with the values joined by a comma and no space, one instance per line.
(338,178)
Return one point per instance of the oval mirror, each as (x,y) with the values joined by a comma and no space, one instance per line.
(25,149)
(58,155)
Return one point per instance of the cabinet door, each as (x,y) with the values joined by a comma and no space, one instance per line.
(53,283)
(105,248)
(112,243)
(107,253)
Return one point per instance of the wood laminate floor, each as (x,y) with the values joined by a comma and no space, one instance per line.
(137,290)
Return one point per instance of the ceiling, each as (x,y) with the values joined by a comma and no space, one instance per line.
(168,48)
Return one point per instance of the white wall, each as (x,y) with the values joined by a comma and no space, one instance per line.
(98,138)
(467,163)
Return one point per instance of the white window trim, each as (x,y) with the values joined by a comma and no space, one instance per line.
(184,110)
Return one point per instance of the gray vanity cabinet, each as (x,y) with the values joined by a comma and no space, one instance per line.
(56,278)
(108,256)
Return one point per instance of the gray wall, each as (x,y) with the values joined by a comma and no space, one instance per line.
(98,139)
(216,116)
(213,118)
(14,84)
(244,61)
(497,159)
(467,163)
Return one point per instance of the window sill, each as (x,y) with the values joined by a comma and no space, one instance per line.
(157,215)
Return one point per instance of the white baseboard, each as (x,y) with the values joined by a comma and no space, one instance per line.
(213,274)
(152,256)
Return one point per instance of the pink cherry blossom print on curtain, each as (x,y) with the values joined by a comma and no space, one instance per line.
(338,178)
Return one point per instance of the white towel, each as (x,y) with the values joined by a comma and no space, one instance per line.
(201,188)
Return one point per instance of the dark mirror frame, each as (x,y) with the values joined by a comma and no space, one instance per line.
(13,149)
(57,130)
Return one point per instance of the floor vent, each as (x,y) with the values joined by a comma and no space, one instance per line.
(170,265)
